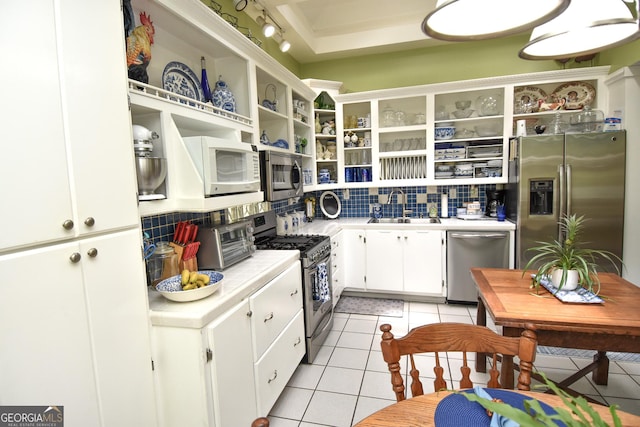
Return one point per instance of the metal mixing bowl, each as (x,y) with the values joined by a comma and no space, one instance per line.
(151,172)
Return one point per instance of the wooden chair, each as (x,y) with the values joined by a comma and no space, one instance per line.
(260,422)
(456,337)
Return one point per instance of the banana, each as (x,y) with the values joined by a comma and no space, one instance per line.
(189,286)
(204,278)
(193,277)
(185,277)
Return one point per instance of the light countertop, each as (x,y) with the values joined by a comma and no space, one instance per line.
(331,227)
(240,281)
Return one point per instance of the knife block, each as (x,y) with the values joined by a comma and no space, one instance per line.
(188,264)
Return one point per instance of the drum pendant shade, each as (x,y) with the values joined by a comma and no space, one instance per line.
(464,20)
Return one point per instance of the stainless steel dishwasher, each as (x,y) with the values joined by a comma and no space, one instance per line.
(467,249)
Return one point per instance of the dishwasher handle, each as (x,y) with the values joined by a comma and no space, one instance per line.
(478,236)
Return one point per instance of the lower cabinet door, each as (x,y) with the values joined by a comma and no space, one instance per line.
(423,262)
(275,368)
(232,377)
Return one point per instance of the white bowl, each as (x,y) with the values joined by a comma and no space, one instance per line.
(171,288)
(444,132)
(487,130)
(462,114)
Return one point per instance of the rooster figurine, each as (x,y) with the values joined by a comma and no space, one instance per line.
(139,49)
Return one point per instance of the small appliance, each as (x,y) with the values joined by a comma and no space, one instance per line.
(224,245)
(225,166)
(151,171)
(495,198)
(281,175)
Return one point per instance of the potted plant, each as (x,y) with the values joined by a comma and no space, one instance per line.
(565,262)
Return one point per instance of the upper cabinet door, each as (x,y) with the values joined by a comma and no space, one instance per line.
(33,165)
(67,162)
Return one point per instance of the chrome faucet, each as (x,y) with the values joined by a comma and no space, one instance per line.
(395,191)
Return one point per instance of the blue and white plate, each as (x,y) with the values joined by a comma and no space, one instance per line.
(179,78)
(171,288)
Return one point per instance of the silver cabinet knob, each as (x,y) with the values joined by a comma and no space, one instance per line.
(67,225)
(269,317)
(75,257)
(89,222)
(93,252)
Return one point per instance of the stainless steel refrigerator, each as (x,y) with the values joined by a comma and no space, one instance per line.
(553,175)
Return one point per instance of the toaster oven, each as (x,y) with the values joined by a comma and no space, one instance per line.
(224,245)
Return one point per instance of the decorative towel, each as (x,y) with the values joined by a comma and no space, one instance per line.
(497,420)
(321,291)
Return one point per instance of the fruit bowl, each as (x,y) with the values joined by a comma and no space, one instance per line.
(171,288)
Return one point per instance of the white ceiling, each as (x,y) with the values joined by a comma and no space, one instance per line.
(331,29)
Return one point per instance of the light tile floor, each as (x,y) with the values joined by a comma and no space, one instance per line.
(349,380)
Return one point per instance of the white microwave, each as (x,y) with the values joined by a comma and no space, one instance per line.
(225,166)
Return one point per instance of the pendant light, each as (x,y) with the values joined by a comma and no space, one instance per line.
(464,20)
(586,27)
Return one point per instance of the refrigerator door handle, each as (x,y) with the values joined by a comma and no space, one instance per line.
(569,186)
(562,198)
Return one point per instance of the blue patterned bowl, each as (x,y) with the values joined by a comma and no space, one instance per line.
(445,132)
(171,288)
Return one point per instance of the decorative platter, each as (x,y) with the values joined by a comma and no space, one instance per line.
(577,94)
(526,99)
(180,79)
(171,288)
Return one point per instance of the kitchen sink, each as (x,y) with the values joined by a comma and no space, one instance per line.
(404,220)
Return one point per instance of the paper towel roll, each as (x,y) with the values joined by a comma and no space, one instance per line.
(444,206)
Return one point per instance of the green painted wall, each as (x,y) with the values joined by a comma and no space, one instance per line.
(451,62)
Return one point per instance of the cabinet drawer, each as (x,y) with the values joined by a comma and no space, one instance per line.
(274,306)
(276,367)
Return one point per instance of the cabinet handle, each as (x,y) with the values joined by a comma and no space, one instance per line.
(294,293)
(67,225)
(406,237)
(249,313)
(269,317)
(75,257)
(93,252)
(298,341)
(273,377)
(89,222)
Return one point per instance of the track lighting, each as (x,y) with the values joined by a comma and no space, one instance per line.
(284,45)
(267,28)
(239,5)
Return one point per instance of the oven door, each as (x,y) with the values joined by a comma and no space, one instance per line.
(318,294)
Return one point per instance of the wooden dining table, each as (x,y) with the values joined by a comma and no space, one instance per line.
(614,325)
(420,410)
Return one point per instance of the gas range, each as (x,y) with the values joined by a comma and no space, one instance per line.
(312,247)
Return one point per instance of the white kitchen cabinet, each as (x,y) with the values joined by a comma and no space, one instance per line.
(423,258)
(73,297)
(60,168)
(337,265)
(232,370)
(79,319)
(384,263)
(404,261)
(404,150)
(354,250)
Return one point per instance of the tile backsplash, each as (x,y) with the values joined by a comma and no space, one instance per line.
(356,202)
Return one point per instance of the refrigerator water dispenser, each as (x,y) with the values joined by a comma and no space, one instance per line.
(541,197)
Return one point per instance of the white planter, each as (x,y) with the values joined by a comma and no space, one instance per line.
(571,279)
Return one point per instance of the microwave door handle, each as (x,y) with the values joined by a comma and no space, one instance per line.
(295,175)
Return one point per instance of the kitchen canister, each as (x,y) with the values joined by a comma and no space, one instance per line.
(324,176)
(163,264)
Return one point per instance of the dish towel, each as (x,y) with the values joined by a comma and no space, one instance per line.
(497,420)
(322,290)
